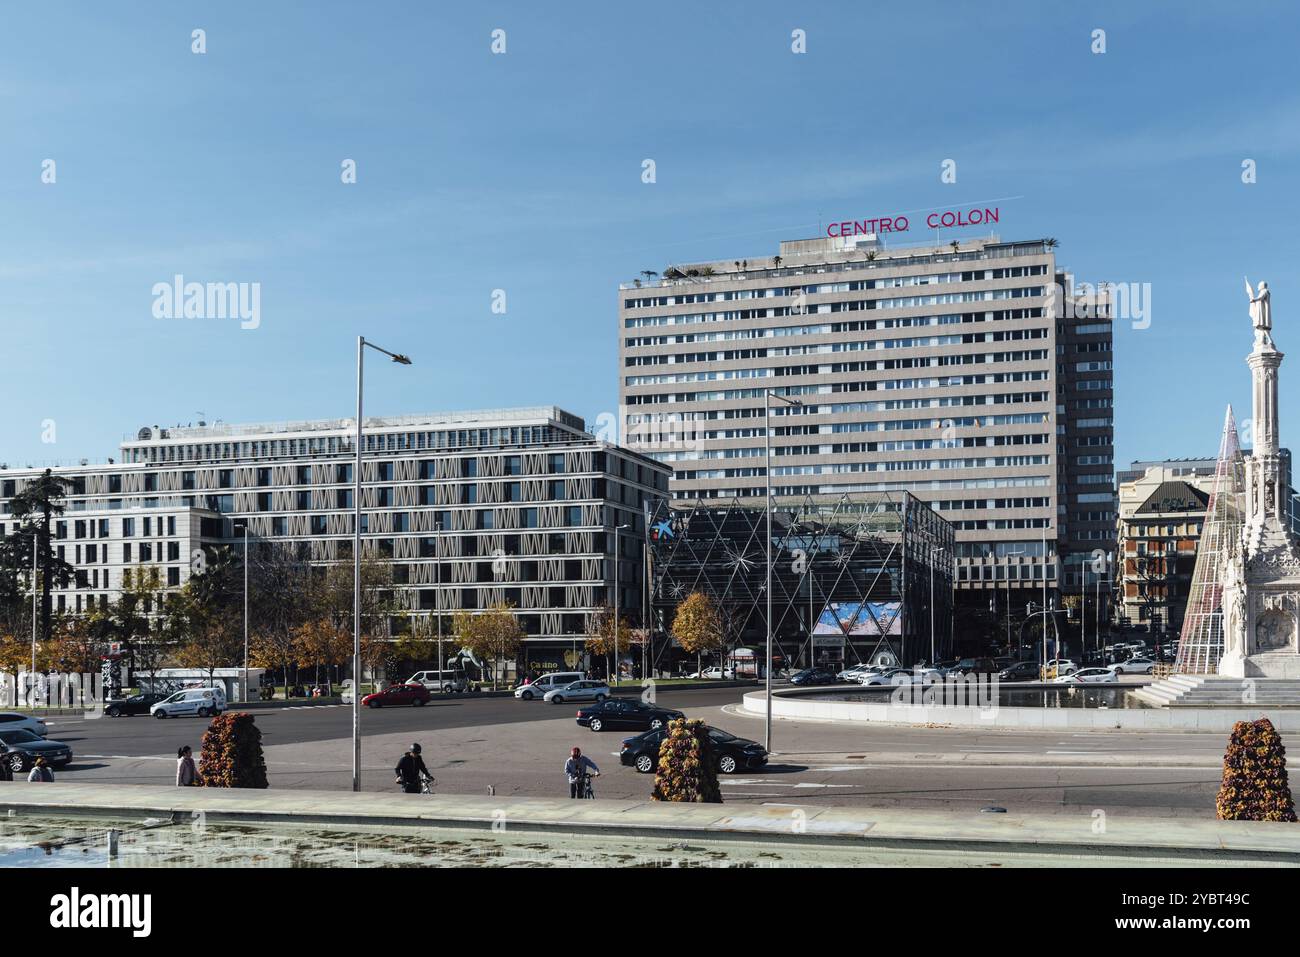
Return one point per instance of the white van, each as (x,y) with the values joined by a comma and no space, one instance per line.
(203,702)
(547,682)
(438,680)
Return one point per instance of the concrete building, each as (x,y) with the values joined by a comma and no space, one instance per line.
(472,508)
(967,374)
(1161,514)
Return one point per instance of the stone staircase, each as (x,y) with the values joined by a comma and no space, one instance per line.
(1214,691)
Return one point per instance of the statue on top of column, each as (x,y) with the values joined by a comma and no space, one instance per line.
(1261,312)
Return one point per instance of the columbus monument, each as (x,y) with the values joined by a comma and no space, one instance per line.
(1261,573)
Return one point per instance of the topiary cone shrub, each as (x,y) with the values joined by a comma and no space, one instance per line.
(687,770)
(1254,775)
(232,753)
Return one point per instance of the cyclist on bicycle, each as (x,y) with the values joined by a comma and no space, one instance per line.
(411,771)
(576,770)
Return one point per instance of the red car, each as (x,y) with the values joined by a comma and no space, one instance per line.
(413,694)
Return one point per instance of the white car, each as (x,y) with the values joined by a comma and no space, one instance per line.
(857,672)
(901,676)
(578,691)
(202,702)
(444,681)
(12,720)
(1088,676)
(547,683)
(714,672)
(1134,666)
(1063,666)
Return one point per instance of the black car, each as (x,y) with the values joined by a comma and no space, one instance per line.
(621,714)
(19,750)
(978,666)
(1021,671)
(136,704)
(730,753)
(813,676)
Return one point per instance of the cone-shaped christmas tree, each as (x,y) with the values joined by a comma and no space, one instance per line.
(686,770)
(232,754)
(1254,775)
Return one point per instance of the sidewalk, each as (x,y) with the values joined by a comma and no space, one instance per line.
(1121,838)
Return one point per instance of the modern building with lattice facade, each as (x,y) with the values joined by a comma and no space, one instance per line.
(866,577)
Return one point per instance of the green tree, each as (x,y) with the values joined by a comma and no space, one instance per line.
(35,505)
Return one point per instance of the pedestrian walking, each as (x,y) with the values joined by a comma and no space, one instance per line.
(41,772)
(411,771)
(576,770)
(187,774)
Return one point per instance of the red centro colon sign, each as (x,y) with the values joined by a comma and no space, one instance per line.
(949,219)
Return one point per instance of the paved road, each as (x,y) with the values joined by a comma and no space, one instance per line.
(518,747)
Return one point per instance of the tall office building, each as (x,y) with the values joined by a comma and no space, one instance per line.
(470,508)
(967,373)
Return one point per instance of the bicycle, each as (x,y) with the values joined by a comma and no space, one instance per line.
(427,783)
(585,789)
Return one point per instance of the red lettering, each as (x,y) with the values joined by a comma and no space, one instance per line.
(885,225)
(991,215)
(900,224)
(929,221)
(948,219)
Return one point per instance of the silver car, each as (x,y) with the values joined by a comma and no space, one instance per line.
(578,691)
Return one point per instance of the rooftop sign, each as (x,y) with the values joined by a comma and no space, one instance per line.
(942,219)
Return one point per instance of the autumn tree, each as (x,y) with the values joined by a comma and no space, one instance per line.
(491,635)
(697,626)
(606,640)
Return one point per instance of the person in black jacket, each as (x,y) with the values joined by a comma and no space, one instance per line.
(410,769)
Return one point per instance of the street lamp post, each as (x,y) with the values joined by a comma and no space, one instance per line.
(356,561)
(437,591)
(246,613)
(767,474)
(617,529)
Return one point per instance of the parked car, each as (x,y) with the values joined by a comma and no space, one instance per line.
(1061,666)
(203,702)
(901,676)
(19,750)
(547,683)
(1087,676)
(623,714)
(13,721)
(730,753)
(813,676)
(714,672)
(444,681)
(979,666)
(135,704)
(416,695)
(586,690)
(1134,666)
(1021,671)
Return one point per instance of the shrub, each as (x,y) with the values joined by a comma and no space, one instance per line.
(232,753)
(686,769)
(1254,775)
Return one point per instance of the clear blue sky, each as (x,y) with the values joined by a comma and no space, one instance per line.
(523,172)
